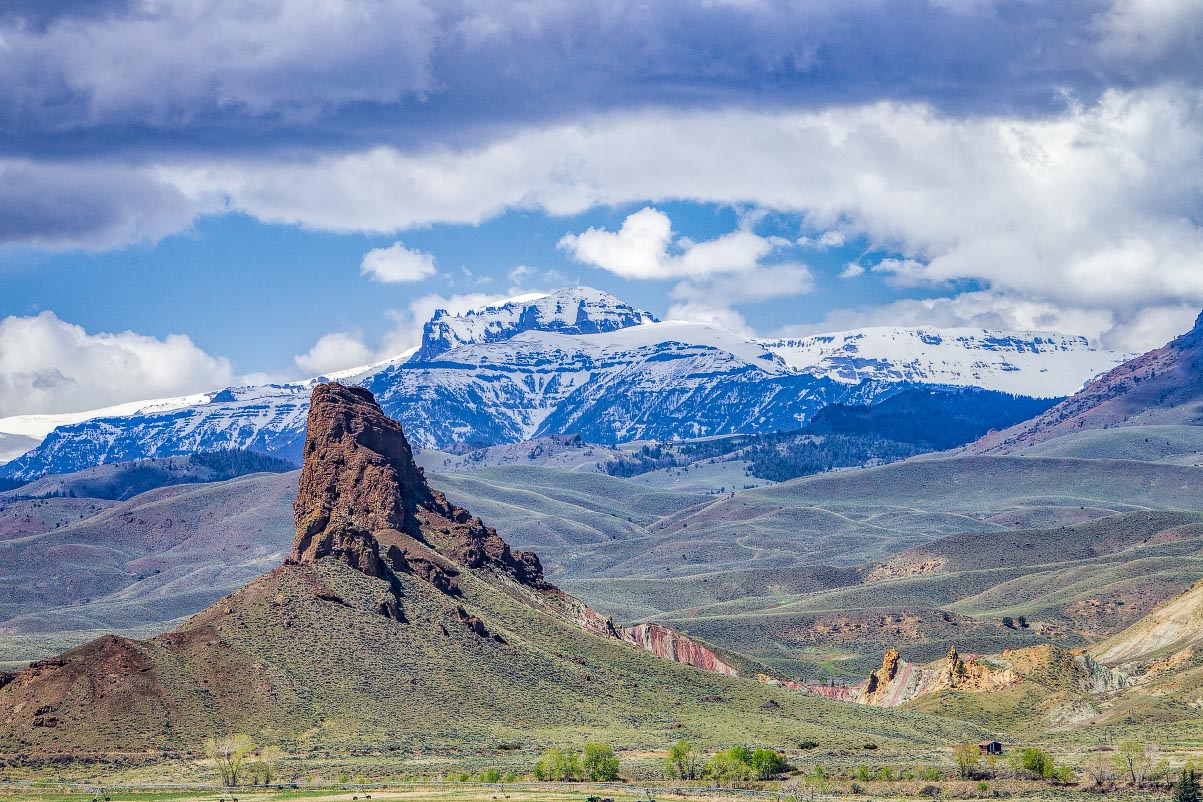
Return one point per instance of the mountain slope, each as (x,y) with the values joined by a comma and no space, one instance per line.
(1172,627)
(1164,386)
(1032,363)
(401,620)
(580,361)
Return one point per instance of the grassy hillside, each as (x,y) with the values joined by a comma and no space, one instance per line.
(302,658)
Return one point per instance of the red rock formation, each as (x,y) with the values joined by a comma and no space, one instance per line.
(672,645)
(362,499)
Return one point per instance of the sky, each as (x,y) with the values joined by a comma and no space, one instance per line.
(198,193)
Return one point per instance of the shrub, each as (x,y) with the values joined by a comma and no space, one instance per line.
(732,766)
(983,787)
(885,774)
(1186,789)
(807,745)
(1035,762)
(489,776)
(863,773)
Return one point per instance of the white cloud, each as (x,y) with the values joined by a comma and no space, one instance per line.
(852,270)
(828,239)
(396,264)
(643,248)
(50,365)
(1145,30)
(1094,209)
(335,351)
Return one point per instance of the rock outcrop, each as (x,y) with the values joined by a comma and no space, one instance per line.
(362,499)
(672,645)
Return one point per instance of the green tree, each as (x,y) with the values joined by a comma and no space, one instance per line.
(229,755)
(601,764)
(1186,789)
(682,761)
(730,767)
(558,765)
(767,763)
(1035,762)
(489,776)
(1133,759)
(269,758)
(967,757)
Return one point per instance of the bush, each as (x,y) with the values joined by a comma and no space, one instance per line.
(983,787)
(1186,789)
(489,776)
(1035,762)
(863,773)
(869,746)
(885,774)
(731,767)
(807,745)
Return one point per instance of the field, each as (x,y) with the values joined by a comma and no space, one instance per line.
(795,790)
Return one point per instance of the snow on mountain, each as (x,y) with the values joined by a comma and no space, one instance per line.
(583,362)
(579,310)
(1039,364)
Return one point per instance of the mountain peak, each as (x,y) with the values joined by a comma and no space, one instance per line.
(361,499)
(575,310)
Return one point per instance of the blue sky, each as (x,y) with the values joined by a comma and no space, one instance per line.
(189,191)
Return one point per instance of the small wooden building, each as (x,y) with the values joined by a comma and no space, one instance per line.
(990,747)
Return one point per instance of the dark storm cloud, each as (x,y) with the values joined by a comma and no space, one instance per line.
(88,205)
(251,75)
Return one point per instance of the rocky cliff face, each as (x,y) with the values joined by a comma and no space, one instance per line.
(362,500)
(898,681)
(672,645)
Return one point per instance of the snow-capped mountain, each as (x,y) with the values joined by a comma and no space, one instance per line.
(1033,363)
(581,361)
(582,311)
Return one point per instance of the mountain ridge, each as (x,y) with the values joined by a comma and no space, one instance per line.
(574,362)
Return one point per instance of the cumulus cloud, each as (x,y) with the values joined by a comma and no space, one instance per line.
(397,264)
(333,352)
(712,299)
(50,365)
(1093,209)
(351,71)
(341,350)
(644,248)
(828,239)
